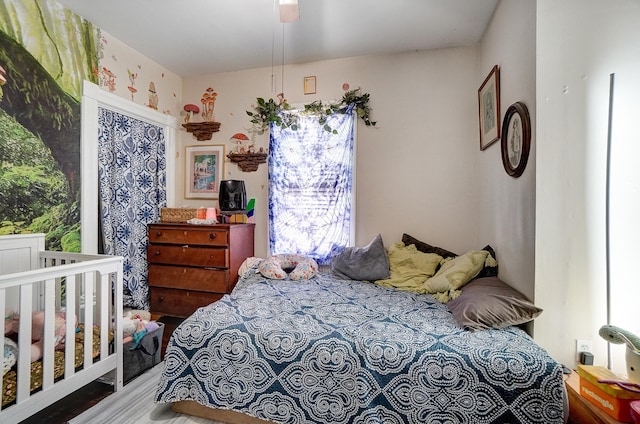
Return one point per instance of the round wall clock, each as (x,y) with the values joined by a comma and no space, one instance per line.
(516,139)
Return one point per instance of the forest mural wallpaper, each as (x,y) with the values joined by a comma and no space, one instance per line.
(46,52)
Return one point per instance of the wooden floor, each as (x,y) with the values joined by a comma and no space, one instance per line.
(72,405)
(81,400)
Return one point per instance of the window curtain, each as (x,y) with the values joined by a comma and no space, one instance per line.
(311,187)
(132,189)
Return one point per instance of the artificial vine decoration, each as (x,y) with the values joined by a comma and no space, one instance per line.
(281,114)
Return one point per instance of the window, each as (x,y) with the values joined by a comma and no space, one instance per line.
(311,190)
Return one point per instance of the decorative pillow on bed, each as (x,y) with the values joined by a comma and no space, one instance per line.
(491,303)
(301,267)
(491,265)
(248,264)
(367,263)
(409,268)
(427,248)
(490,268)
(457,272)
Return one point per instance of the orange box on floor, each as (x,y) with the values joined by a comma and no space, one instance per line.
(611,398)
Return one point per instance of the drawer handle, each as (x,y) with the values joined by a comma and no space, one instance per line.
(161,298)
(158,233)
(156,253)
(212,236)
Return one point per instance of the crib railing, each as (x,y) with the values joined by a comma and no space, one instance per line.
(88,288)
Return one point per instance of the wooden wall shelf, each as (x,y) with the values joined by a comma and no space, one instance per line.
(202,131)
(248,162)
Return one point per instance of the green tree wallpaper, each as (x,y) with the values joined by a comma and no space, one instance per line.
(46,52)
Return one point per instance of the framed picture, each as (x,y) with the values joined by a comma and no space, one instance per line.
(489,108)
(309,85)
(516,139)
(204,170)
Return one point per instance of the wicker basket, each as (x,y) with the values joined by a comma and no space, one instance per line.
(177,214)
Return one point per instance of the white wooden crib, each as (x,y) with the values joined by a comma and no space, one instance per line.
(90,286)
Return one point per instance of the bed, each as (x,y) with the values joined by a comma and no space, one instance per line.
(41,285)
(330,350)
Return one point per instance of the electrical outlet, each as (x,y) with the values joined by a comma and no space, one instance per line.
(584,346)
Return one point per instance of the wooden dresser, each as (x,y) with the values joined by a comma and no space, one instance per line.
(194,265)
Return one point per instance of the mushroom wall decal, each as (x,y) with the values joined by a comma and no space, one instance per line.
(208,103)
(244,155)
(153,96)
(202,130)
(239,139)
(190,109)
(132,79)
(108,79)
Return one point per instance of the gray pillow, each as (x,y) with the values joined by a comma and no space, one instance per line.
(491,303)
(367,263)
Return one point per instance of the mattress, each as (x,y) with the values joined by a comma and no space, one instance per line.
(327,350)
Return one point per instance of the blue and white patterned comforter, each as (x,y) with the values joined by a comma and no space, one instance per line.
(335,351)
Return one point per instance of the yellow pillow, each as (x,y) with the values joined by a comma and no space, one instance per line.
(457,272)
(408,260)
(409,268)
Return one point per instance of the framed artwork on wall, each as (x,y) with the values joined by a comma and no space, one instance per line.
(489,108)
(309,85)
(516,139)
(204,170)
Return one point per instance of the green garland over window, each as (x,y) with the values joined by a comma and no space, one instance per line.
(282,114)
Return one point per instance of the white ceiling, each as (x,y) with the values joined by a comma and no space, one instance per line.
(198,37)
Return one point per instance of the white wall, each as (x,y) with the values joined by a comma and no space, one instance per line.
(579,44)
(507,205)
(416,170)
(120,59)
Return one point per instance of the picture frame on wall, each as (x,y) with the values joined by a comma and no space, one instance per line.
(489,108)
(204,169)
(516,139)
(310,85)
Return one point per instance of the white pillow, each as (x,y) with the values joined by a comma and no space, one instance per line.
(248,264)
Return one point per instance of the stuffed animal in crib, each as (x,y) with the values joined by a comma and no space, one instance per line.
(12,325)
(10,322)
(37,332)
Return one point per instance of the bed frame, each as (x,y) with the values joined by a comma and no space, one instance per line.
(33,279)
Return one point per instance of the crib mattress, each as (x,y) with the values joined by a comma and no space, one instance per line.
(9,381)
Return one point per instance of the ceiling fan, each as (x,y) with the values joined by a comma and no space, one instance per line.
(289,11)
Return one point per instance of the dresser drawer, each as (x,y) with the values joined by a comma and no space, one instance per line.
(189,236)
(179,303)
(187,255)
(179,277)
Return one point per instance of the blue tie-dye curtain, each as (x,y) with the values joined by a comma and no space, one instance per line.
(310,187)
(132,186)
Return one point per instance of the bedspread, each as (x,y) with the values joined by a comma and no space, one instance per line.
(335,351)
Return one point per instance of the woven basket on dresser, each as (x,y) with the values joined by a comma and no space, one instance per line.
(177,214)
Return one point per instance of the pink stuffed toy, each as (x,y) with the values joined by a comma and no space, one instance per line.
(12,325)
(37,333)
